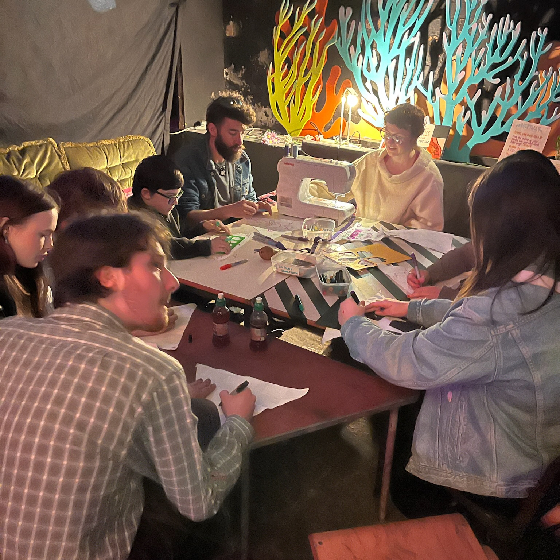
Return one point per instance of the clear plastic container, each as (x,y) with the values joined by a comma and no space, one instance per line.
(333,278)
(294,263)
(318,227)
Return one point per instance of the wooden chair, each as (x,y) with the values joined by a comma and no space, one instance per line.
(504,535)
(443,537)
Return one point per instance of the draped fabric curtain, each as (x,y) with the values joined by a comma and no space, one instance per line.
(86,70)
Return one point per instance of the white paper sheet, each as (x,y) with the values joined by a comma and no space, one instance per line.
(397,274)
(433,240)
(330,334)
(269,395)
(245,281)
(170,340)
(282,224)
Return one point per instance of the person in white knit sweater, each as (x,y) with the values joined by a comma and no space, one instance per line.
(400,183)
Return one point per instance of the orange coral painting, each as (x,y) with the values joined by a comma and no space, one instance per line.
(320,119)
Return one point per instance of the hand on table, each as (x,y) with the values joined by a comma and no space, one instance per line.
(242,209)
(388,307)
(171,320)
(200,388)
(264,206)
(428,292)
(241,404)
(216,226)
(220,245)
(349,308)
(415,281)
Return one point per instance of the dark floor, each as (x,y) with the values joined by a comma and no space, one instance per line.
(317,482)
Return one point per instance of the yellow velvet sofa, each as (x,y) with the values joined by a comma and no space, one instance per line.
(40,161)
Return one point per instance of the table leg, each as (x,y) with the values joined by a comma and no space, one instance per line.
(387,463)
(245,506)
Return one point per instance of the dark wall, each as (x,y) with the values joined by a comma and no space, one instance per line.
(202,48)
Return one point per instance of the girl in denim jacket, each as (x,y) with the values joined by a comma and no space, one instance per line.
(489,362)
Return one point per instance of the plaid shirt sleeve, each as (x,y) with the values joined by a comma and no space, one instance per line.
(196,483)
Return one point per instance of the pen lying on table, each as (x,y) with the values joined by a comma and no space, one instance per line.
(238,389)
(229,265)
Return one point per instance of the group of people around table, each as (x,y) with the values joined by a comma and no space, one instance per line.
(102,451)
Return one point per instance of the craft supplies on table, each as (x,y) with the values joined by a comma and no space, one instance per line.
(295,263)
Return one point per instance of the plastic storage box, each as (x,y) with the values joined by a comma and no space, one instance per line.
(333,278)
(318,227)
(295,263)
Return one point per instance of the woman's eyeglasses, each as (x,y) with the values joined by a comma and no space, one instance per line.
(171,198)
(391,137)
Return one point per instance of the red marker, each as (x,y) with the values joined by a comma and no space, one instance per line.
(226,266)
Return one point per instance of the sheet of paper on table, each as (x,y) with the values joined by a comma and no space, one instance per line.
(432,240)
(170,340)
(246,281)
(283,224)
(269,395)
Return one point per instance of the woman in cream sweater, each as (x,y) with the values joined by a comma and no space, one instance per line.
(400,183)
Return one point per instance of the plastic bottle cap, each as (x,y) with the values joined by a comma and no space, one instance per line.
(259,306)
(220,301)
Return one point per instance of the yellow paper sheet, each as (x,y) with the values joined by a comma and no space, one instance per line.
(377,253)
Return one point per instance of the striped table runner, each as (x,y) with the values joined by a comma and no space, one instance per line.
(322,311)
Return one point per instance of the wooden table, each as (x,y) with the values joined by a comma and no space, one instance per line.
(338,393)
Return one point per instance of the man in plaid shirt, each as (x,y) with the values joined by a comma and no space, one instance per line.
(87,410)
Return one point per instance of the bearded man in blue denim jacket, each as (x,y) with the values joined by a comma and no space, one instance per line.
(216,169)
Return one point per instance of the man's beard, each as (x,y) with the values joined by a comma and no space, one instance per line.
(230,154)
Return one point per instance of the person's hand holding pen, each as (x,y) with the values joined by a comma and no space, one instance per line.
(241,209)
(240,402)
(416,277)
(216,226)
(350,307)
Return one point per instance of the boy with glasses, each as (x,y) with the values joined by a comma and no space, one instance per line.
(156,188)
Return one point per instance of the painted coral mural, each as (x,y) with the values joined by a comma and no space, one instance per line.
(473,65)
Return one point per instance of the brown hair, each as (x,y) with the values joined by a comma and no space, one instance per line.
(87,190)
(515,222)
(408,117)
(18,201)
(231,105)
(95,242)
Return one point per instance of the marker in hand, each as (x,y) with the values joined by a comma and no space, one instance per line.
(415,264)
(355,297)
(226,266)
(238,389)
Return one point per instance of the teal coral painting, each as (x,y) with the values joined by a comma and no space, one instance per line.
(388,65)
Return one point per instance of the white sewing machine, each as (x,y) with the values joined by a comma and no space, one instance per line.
(295,175)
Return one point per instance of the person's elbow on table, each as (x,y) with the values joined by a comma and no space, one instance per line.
(241,404)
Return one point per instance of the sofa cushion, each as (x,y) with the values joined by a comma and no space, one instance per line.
(38,161)
(117,157)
